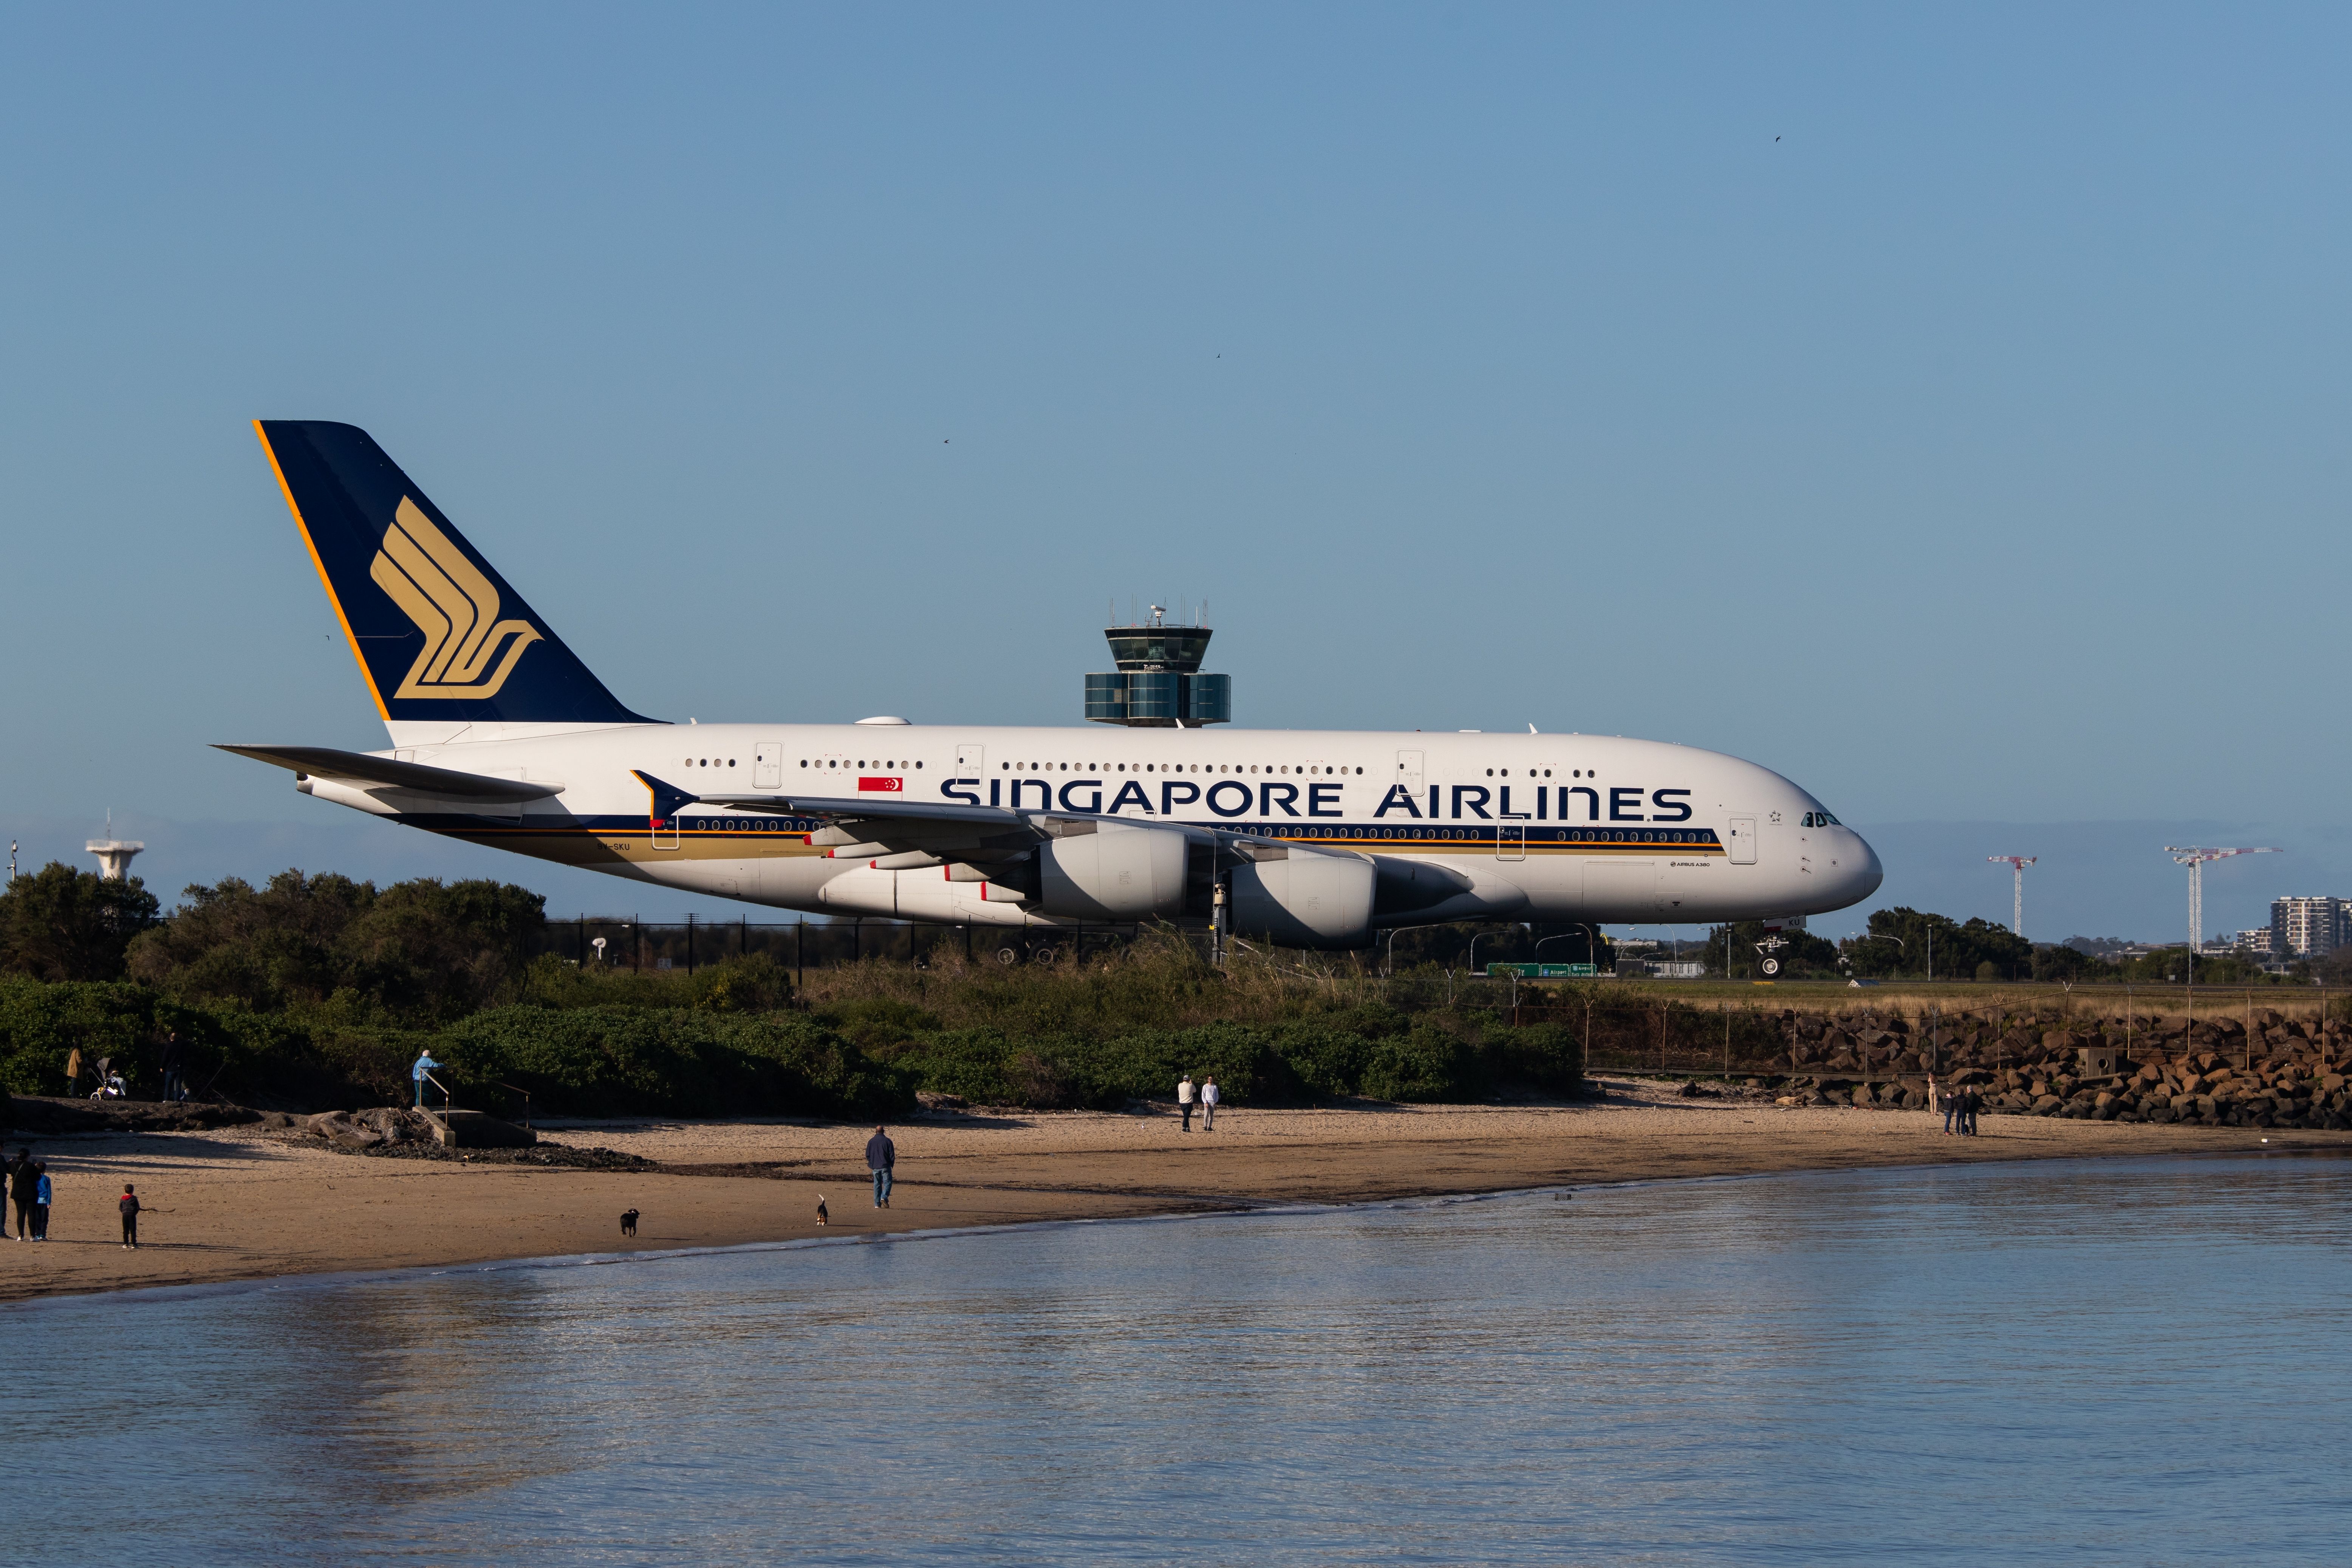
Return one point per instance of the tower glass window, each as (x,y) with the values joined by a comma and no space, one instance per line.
(1159,684)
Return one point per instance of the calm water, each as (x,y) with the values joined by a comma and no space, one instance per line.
(2101,1363)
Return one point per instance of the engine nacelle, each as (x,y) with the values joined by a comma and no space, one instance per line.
(1306,900)
(1111,871)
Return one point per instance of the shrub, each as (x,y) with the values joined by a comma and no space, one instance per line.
(618,1061)
(41,1025)
(1427,1064)
(1546,1056)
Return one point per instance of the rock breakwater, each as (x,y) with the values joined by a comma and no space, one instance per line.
(2262,1069)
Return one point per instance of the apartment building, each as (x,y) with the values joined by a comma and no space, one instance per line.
(2309,927)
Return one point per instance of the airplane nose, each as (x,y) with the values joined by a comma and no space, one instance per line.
(1864,877)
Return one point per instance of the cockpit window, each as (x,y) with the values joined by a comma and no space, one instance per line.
(1821,819)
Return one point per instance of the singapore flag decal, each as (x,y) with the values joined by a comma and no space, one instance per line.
(883,786)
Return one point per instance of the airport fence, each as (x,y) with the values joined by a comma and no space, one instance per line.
(616,942)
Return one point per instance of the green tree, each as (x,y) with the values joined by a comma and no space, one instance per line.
(421,952)
(1906,941)
(64,924)
(2062,964)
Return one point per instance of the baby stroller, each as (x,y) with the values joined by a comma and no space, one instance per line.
(111,1085)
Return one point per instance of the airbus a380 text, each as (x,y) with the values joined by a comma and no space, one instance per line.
(1317,838)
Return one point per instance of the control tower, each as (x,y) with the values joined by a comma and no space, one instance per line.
(1159,684)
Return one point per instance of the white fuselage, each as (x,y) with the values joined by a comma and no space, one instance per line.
(1540,826)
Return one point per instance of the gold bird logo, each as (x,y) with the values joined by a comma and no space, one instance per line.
(452,604)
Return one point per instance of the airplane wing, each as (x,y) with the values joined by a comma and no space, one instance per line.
(857,828)
(894,825)
(898,809)
(383,773)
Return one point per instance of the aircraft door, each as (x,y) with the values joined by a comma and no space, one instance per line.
(767,765)
(1510,841)
(1743,841)
(1408,772)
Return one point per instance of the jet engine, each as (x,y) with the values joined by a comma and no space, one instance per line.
(1305,899)
(1095,871)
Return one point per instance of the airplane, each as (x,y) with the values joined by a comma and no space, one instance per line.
(1314,839)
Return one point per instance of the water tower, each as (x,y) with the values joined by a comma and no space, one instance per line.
(1159,684)
(114,856)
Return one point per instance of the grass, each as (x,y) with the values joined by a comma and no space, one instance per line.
(1915,997)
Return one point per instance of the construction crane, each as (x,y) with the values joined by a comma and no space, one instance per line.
(2017,863)
(2195,858)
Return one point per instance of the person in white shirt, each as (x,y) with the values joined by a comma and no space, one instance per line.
(1207,1105)
(1184,1099)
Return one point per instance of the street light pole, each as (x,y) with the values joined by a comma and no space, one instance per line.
(1388,964)
(1565,935)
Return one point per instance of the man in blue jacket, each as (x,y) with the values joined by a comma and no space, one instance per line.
(881,1154)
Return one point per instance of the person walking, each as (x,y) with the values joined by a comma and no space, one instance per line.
(424,1063)
(73,1072)
(881,1157)
(1185,1095)
(129,1205)
(1970,1100)
(41,1202)
(24,1179)
(1952,1098)
(1208,1104)
(175,1056)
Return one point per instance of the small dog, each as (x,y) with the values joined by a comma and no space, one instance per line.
(629,1222)
(823,1216)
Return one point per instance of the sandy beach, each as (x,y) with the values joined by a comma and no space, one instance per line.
(243,1205)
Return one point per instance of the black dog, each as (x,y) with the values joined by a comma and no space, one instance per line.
(629,1223)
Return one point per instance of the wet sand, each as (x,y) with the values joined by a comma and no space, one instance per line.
(239,1204)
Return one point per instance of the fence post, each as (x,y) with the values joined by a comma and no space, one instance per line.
(636,943)
(580,951)
(689,944)
(1726,1039)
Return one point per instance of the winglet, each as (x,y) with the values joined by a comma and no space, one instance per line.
(666,798)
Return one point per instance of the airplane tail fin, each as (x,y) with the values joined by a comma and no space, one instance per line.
(437,632)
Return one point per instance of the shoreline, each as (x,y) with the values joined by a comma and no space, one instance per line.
(237,1206)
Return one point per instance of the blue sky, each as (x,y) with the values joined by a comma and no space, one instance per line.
(1945,409)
